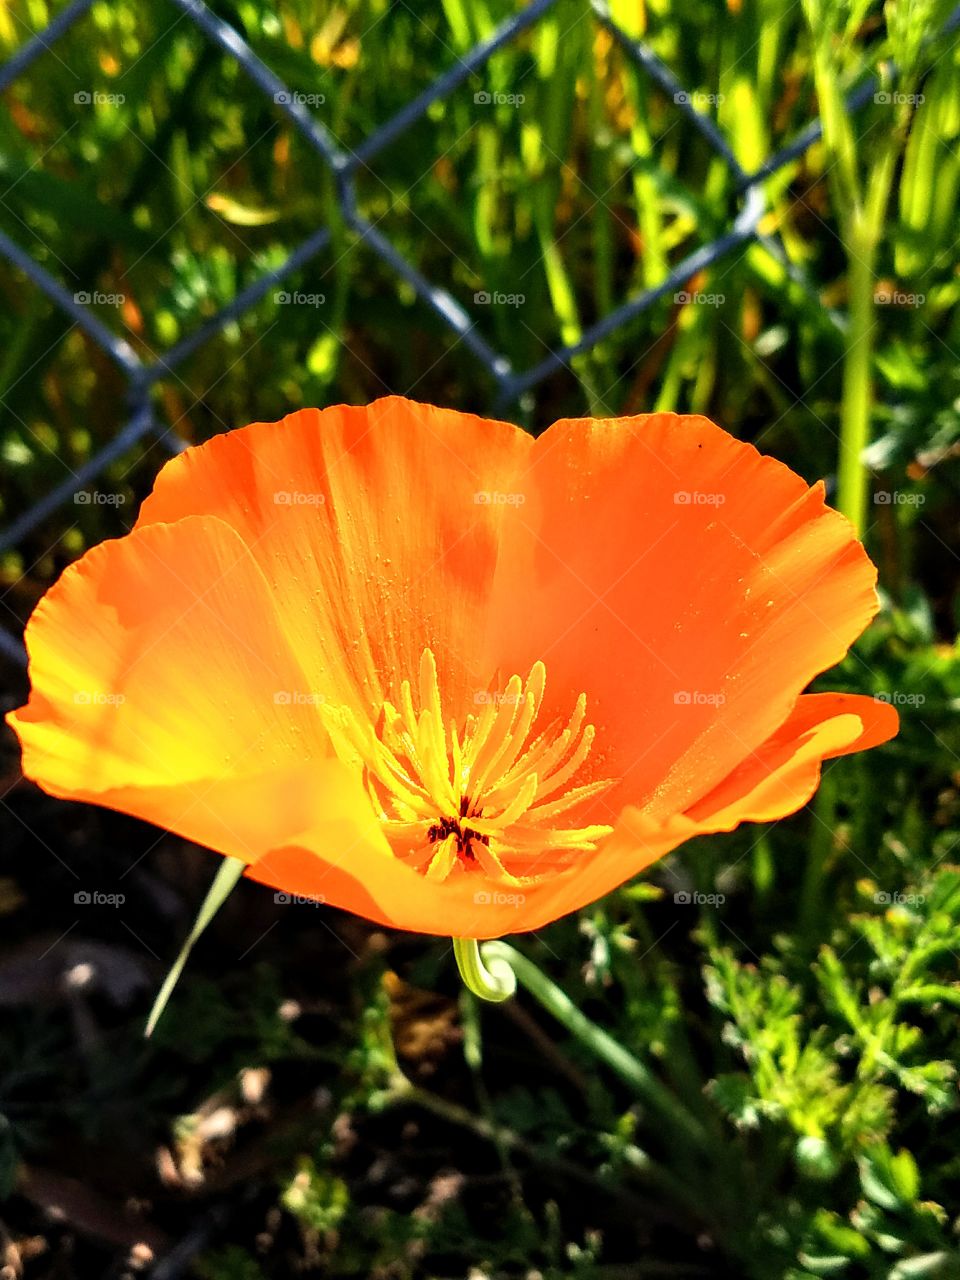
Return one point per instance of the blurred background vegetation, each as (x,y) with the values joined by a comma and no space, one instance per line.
(320,1098)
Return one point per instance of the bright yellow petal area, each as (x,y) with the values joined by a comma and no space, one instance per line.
(163,686)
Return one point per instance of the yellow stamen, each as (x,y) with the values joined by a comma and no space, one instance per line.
(481,798)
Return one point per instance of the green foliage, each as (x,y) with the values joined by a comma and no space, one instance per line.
(318,1200)
(592,188)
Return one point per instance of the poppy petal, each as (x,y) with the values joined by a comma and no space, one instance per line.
(387,545)
(163,686)
(784,772)
(691,586)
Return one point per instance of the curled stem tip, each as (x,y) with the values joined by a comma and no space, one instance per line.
(489,978)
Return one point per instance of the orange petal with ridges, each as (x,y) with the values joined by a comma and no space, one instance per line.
(692,626)
(163,686)
(380,543)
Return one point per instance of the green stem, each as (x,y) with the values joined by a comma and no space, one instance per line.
(863,200)
(608,1050)
(495,981)
(864,235)
(813,887)
(857,401)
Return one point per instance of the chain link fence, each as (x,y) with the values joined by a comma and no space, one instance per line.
(344,164)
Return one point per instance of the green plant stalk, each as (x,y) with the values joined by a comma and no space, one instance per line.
(601,221)
(562,296)
(229,872)
(668,399)
(864,202)
(811,906)
(837,127)
(863,234)
(658,1098)
(856,396)
(856,403)
(652,262)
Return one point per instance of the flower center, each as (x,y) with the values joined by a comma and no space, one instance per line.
(491,796)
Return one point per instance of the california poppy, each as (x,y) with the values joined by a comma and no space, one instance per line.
(424,667)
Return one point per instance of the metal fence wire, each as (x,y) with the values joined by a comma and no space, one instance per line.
(344,164)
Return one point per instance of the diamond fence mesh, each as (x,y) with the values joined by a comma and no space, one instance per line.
(141,376)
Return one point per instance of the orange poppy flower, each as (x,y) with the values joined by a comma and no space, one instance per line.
(424,667)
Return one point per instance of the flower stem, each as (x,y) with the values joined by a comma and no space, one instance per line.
(494,981)
(501,955)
